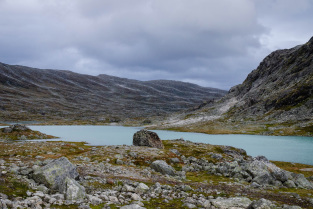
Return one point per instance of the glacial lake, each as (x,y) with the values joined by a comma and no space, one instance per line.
(281,148)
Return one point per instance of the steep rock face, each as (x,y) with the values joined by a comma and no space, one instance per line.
(29,93)
(276,98)
(281,87)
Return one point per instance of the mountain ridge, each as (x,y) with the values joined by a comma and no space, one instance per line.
(43,94)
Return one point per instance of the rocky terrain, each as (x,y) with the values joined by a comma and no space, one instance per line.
(45,95)
(183,174)
(276,98)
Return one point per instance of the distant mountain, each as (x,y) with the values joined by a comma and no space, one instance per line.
(275,98)
(36,94)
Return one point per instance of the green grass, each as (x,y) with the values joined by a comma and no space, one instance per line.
(13,187)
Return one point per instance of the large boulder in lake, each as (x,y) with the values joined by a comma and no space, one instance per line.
(147,138)
(59,175)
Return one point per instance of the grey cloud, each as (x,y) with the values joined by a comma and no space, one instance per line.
(204,41)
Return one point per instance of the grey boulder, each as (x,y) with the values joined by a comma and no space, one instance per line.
(73,190)
(147,138)
(162,167)
(262,204)
(53,174)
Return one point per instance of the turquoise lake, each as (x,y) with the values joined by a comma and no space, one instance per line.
(281,148)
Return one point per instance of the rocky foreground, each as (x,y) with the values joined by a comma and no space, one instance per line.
(182,175)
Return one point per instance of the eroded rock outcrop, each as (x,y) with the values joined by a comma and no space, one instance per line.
(147,138)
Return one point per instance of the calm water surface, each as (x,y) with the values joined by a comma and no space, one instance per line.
(281,148)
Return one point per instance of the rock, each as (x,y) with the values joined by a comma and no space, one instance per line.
(255,185)
(175,160)
(262,158)
(263,179)
(301,181)
(73,190)
(190,205)
(262,204)
(216,156)
(141,188)
(113,199)
(147,138)
(127,188)
(54,174)
(15,127)
(289,184)
(162,167)
(186,188)
(119,162)
(3,196)
(94,200)
(135,197)
(240,202)
(132,206)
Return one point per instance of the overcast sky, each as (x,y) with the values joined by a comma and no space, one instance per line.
(213,43)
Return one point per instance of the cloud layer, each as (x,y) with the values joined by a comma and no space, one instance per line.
(208,42)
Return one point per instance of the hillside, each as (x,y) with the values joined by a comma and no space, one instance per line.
(276,98)
(37,94)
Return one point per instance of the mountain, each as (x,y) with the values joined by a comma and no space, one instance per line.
(37,94)
(276,98)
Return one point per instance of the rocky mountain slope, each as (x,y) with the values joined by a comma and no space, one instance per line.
(275,98)
(37,94)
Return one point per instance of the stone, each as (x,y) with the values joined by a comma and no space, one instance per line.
(262,158)
(119,162)
(262,204)
(263,179)
(190,205)
(127,188)
(15,127)
(175,160)
(54,174)
(132,206)
(162,167)
(113,199)
(141,188)
(290,184)
(94,200)
(147,138)
(135,197)
(301,181)
(175,151)
(73,190)
(239,202)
